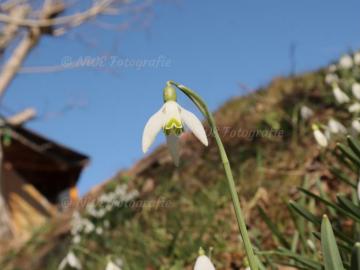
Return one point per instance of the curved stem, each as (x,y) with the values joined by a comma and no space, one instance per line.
(234,196)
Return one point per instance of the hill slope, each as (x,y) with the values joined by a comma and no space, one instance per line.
(177,210)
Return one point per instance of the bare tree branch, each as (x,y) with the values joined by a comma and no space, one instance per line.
(22,50)
(9,31)
(22,117)
(70,20)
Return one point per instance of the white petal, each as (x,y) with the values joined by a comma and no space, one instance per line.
(357,58)
(320,138)
(306,112)
(112,266)
(354,108)
(336,127)
(73,261)
(355,88)
(203,263)
(152,128)
(355,124)
(194,124)
(340,96)
(172,110)
(63,264)
(173,145)
(346,61)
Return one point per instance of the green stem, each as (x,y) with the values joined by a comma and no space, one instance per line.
(89,253)
(230,179)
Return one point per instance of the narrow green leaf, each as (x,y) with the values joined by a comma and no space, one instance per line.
(305,213)
(339,209)
(349,154)
(274,229)
(348,205)
(355,258)
(342,177)
(354,145)
(332,259)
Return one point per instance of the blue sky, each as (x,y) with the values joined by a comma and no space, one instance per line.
(211,46)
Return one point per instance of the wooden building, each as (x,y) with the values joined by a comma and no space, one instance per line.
(37,175)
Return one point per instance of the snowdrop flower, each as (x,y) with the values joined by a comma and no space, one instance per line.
(346,62)
(76,239)
(336,126)
(355,89)
(331,78)
(311,244)
(306,112)
(70,260)
(203,262)
(355,124)
(357,58)
(332,68)
(339,95)
(112,266)
(320,138)
(99,230)
(171,119)
(354,108)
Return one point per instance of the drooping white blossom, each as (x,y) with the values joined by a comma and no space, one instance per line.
(171,118)
(70,260)
(203,263)
(346,61)
(354,108)
(332,68)
(355,124)
(336,127)
(340,95)
(112,266)
(306,112)
(357,58)
(320,138)
(331,78)
(355,89)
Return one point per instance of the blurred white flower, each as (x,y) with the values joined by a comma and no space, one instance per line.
(311,244)
(355,89)
(112,266)
(357,58)
(339,95)
(171,119)
(332,68)
(76,239)
(346,61)
(354,108)
(336,127)
(355,124)
(203,263)
(99,230)
(320,137)
(306,112)
(70,260)
(331,78)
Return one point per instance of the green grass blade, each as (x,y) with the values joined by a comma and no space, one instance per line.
(355,258)
(273,228)
(332,259)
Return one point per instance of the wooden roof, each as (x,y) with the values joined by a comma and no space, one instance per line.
(47,165)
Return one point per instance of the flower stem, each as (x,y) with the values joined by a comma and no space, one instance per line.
(230,179)
(89,253)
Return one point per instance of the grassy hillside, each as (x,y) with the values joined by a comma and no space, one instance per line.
(167,213)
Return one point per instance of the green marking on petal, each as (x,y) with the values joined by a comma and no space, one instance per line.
(173,126)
